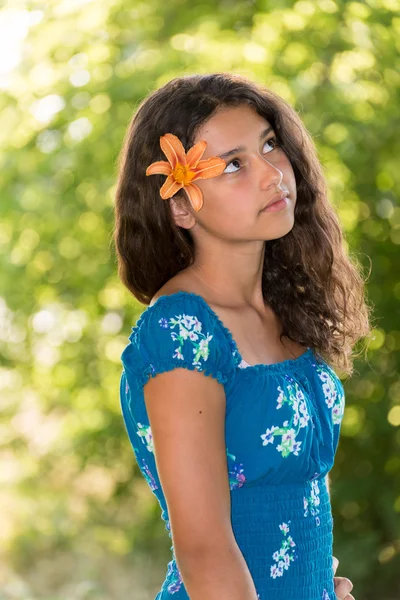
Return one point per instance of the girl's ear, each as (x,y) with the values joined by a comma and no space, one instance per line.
(182,212)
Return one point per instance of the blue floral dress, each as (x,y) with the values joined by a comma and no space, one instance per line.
(282,428)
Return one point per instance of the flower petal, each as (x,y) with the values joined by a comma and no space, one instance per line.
(160,167)
(195,195)
(212,167)
(195,153)
(170,187)
(173,149)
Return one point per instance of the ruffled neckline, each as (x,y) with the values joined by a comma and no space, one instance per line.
(281,366)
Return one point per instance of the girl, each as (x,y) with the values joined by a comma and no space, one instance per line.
(229,397)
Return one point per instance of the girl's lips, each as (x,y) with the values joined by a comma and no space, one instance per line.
(279,204)
(276,198)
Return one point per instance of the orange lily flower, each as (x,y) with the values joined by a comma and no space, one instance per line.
(183,168)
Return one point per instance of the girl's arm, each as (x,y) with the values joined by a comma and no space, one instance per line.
(186,410)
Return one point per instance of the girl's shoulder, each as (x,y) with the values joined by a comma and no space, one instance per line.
(180,330)
(189,309)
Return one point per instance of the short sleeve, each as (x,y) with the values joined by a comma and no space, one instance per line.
(178,331)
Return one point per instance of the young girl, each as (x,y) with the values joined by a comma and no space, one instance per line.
(224,231)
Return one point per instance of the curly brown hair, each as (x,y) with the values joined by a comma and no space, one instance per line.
(308,279)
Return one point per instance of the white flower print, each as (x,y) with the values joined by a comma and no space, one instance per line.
(329,389)
(236,474)
(284,527)
(268,436)
(144,431)
(178,354)
(337,414)
(334,396)
(189,328)
(188,321)
(289,430)
(313,501)
(285,555)
(281,397)
(144,467)
(288,443)
(202,350)
(174,575)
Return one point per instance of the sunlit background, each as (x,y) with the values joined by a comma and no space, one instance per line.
(77,520)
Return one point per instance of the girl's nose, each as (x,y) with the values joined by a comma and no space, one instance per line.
(270,176)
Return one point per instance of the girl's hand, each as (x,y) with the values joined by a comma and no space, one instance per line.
(343,586)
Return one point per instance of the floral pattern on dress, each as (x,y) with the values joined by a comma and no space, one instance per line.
(144,432)
(234,352)
(334,396)
(313,501)
(176,577)
(285,555)
(235,472)
(189,328)
(289,430)
(148,476)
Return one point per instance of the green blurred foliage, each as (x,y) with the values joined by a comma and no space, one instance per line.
(72,498)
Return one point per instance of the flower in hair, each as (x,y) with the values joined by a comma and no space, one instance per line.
(182,169)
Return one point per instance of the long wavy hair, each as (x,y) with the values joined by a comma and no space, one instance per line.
(308,279)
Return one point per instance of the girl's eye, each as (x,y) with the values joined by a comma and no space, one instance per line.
(273,140)
(236,160)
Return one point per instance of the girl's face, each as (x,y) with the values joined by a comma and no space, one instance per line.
(256,169)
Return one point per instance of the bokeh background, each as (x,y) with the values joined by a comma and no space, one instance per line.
(77,520)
